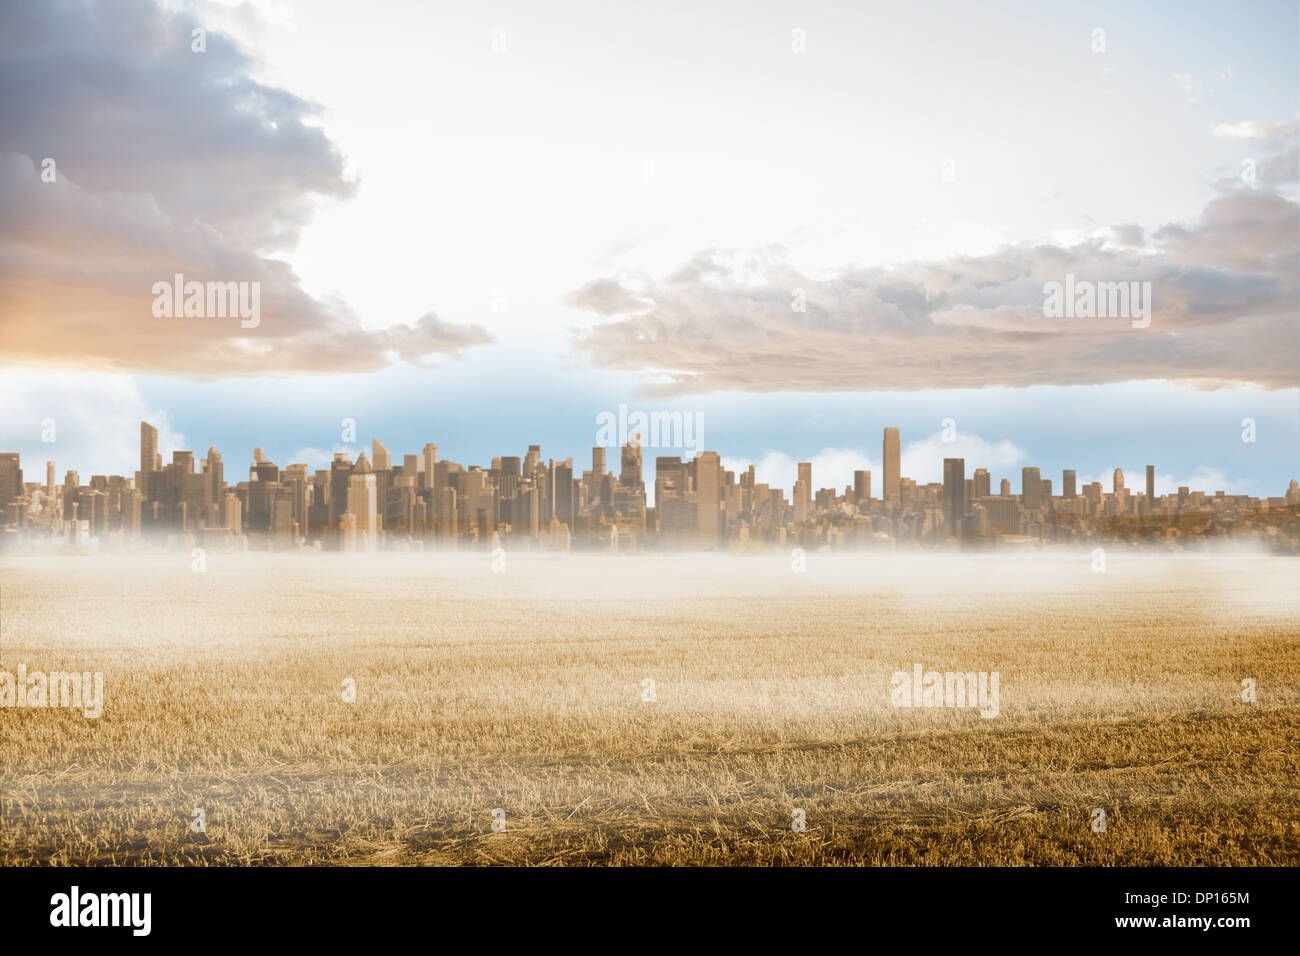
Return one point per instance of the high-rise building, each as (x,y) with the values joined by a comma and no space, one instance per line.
(805,478)
(1068,484)
(1151,483)
(981,483)
(598,460)
(11,484)
(861,485)
(1117,482)
(362,507)
(148,457)
(708,478)
(49,480)
(382,460)
(630,470)
(1031,488)
(429,457)
(954,492)
(891,464)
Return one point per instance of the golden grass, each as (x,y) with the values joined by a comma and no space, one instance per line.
(523,691)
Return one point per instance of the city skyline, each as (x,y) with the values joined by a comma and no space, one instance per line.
(370,503)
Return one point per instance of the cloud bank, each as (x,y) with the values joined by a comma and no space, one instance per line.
(166,161)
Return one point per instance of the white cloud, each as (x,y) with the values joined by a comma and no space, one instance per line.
(96,419)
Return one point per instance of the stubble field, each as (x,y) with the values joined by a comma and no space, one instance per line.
(526,691)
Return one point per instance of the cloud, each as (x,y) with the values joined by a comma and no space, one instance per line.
(1223,289)
(96,421)
(167,161)
(1249,129)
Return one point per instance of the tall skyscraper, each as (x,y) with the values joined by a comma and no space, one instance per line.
(382,460)
(954,492)
(1117,482)
(981,483)
(362,507)
(891,464)
(1031,488)
(1151,483)
(630,472)
(49,480)
(148,456)
(1069,484)
(708,477)
(805,477)
(430,458)
(598,461)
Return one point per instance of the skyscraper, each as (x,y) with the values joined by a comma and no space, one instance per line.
(891,464)
(362,507)
(954,492)
(630,472)
(1117,482)
(861,486)
(598,460)
(708,474)
(805,477)
(1069,484)
(148,456)
(382,460)
(1151,483)
(1031,488)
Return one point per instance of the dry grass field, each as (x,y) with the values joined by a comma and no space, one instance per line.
(522,690)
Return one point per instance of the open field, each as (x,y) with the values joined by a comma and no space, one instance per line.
(522,690)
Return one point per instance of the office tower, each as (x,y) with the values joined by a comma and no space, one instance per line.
(1047,491)
(148,458)
(1117,482)
(891,464)
(429,456)
(563,496)
(214,485)
(411,468)
(49,480)
(981,483)
(532,460)
(379,454)
(1031,488)
(861,485)
(1004,488)
(340,471)
(805,479)
(362,507)
(11,485)
(1068,484)
(708,480)
(234,515)
(954,492)
(799,498)
(630,472)
(259,455)
(598,461)
(1151,483)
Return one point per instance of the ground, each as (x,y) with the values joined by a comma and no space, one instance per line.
(226,690)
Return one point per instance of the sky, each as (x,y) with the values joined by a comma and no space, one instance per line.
(485,225)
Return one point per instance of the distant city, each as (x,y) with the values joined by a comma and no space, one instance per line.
(535,504)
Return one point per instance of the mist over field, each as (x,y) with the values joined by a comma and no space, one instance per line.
(332,708)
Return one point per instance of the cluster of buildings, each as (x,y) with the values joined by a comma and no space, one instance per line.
(531,503)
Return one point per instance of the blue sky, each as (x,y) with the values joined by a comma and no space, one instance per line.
(624,202)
